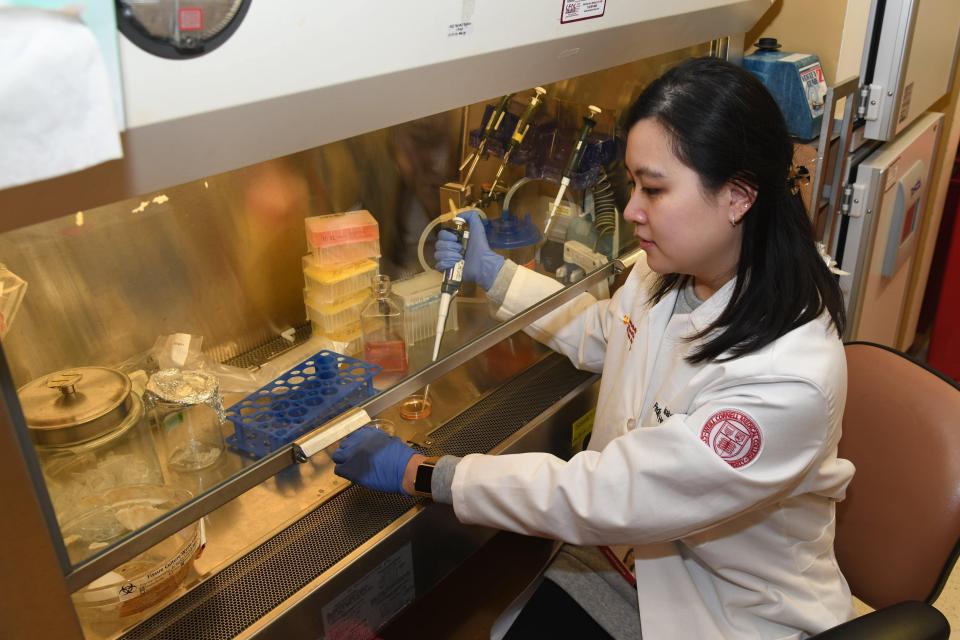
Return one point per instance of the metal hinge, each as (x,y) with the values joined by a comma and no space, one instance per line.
(868,108)
(853,203)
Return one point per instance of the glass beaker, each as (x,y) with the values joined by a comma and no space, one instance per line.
(381,322)
(187,410)
(90,434)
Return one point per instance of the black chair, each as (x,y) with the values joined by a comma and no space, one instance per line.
(898,530)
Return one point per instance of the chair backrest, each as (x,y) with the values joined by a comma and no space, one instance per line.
(898,528)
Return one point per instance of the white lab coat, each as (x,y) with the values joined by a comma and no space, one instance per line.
(739,546)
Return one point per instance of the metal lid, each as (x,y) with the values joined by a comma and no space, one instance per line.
(75,405)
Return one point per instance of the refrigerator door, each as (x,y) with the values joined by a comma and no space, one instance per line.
(908,60)
(879,239)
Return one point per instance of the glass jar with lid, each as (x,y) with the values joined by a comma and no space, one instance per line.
(90,433)
(187,409)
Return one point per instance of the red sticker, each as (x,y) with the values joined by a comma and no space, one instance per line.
(190,19)
(734,436)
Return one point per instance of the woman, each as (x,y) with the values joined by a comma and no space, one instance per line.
(714,449)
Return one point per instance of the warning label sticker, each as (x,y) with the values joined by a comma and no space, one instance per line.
(459,29)
(815,87)
(370,602)
(905,103)
(576,10)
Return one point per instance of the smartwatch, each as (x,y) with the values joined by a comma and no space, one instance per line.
(422,482)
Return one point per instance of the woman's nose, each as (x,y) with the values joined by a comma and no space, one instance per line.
(634,211)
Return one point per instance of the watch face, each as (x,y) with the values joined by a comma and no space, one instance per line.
(422,484)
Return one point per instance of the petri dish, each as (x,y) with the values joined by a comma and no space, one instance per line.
(386,426)
(415,407)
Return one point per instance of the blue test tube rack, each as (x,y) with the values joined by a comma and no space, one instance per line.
(312,392)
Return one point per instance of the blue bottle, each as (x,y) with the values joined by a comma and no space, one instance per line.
(796,82)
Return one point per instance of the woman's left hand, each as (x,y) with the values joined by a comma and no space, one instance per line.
(371,458)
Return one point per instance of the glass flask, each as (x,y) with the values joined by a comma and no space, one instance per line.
(381,322)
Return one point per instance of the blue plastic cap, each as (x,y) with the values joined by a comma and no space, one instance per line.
(509,232)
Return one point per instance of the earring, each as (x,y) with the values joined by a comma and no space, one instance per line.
(735,221)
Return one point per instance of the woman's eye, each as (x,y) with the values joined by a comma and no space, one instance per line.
(650,192)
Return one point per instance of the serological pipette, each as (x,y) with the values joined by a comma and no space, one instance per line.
(519,133)
(589,122)
(492,126)
(449,287)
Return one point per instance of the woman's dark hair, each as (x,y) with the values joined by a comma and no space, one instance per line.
(725,125)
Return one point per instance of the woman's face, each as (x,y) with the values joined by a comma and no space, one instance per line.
(682,228)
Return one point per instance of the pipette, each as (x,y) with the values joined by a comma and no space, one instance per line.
(449,287)
(519,132)
(589,122)
(492,126)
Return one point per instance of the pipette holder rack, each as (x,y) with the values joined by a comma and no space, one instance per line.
(497,143)
(553,147)
(546,148)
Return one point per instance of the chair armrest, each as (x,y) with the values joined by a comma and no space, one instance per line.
(913,620)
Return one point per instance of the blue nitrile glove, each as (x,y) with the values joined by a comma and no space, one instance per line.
(481,264)
(371,458)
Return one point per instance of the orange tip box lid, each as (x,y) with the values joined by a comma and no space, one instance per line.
(341,228)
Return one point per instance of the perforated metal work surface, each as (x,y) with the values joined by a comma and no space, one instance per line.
(496,417)
(271,349)
(244,592)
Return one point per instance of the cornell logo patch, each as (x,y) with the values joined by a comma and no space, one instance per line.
(734,436)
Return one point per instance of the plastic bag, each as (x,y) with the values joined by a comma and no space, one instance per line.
(183,351)
(12,289)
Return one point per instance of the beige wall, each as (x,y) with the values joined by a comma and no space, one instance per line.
(852,39)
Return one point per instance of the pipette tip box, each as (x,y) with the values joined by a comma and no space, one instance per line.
(336,317)
(420,296)
(326,285)
(341,238)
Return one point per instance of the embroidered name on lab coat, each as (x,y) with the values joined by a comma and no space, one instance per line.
(734,436)
(631,329)
(662,414)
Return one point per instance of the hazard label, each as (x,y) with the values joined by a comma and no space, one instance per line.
(576,10)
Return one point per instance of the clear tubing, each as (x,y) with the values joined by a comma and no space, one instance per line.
(443,217)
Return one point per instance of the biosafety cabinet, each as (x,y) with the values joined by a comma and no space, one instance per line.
(202,503)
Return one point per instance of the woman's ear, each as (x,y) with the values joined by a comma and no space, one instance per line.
(739,197)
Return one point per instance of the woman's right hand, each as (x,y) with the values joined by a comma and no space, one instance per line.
(481,264)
